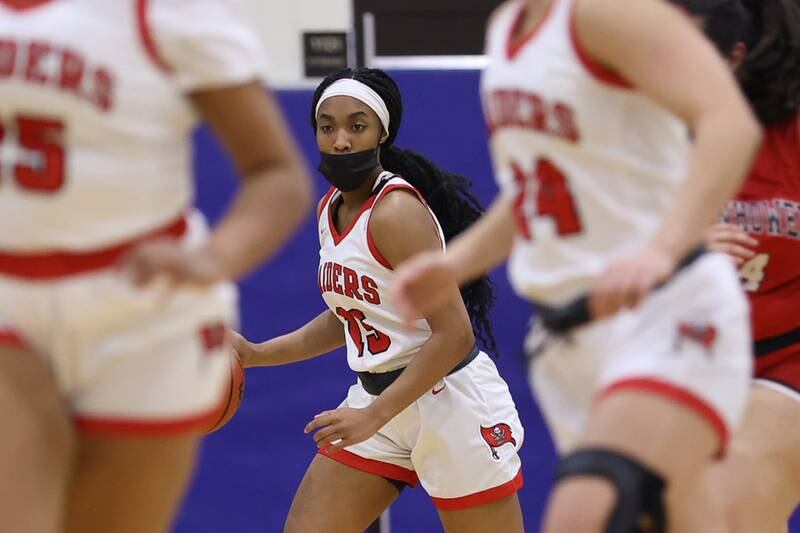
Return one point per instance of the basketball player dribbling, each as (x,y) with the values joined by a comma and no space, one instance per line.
(429,407)
(114,297)
(758,483)
(605,200)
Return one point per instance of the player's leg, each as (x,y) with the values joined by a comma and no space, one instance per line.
(129,485)
(155,372)
(36,447)
(759,480)
(671,381)
(337,498)
(635,445)
(503,515)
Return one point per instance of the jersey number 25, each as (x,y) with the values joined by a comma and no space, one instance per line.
(553,198)
(38,156)
(377,341)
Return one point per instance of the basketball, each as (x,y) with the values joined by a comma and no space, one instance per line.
(231,398)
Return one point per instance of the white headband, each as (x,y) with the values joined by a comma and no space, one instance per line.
(362,93)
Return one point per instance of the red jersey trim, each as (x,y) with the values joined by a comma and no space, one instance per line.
(324,202)
(514,45)
(57,264)
(598,71)
(373,248)
(681,396)
(371,466)
(146,36)
(339,237)
(24,6)
(376,254)
(11,339)
(145,427)
(481,498)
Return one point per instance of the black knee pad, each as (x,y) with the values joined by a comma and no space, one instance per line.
(640,491)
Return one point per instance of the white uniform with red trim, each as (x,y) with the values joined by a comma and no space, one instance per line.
(95,152)
(460,440)
(592,166)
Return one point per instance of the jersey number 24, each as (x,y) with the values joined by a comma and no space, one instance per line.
(553,198)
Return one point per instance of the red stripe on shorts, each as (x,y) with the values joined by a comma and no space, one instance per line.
(679,395)
(481,498)
(12,339)
(371,466)
(143,427)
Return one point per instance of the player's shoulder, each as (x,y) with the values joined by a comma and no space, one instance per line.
(400,225)
(324,200)
(780,154)
(399,209)
(193,14)
(188,4)
(499,11)
(395,203)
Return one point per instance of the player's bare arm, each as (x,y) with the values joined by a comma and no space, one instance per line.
(273,198)
(319,336)
(626,38)
(275,189)
(402,227)
(424,282)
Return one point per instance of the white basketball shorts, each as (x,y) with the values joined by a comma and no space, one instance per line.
(127,360)
(459,440)
(689,341)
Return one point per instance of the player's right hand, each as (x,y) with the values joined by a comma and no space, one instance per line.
(731,240)
(241,346)
(629,280)
(422,285)
(169,259)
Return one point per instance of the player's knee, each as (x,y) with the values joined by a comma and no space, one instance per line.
(580,504)
(744,511)
(603,491)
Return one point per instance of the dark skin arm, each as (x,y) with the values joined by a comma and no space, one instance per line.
(272,200)
(321,335)
(402,227)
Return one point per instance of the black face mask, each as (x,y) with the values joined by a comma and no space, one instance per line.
(348,172)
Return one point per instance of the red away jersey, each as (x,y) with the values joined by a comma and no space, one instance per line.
(768,208)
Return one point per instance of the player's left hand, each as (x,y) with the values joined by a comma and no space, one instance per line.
(346,425)
(170,259)
(628,281)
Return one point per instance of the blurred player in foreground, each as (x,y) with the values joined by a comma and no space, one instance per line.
(604,200)
(114,296)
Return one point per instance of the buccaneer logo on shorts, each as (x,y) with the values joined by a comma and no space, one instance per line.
(497,435)
(703,334)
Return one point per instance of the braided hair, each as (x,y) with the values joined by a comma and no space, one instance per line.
(770,73)
(447,194)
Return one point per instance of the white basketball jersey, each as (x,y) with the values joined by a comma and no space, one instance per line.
(355,281)
(95,129)
(590,164)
